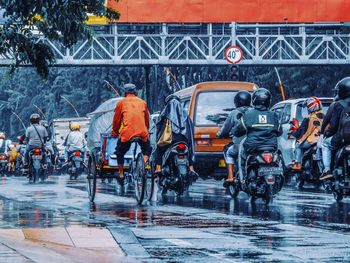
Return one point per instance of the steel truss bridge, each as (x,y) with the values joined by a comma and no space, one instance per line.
(205,44)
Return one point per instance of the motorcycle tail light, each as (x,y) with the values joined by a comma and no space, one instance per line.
(268,157)
(77,154)
(37,151)
(181,156)
(181,147)
(270,179)
(203,142)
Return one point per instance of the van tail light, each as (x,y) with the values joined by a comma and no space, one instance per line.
(77,154)
(181,147)
(203,142)
(268,157)
(37,151)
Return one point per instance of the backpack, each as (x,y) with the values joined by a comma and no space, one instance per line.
(344,125)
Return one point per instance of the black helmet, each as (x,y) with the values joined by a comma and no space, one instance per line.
(243,98)
(262,97)
(342,89)
(171,97)
(129,88)
(34,118)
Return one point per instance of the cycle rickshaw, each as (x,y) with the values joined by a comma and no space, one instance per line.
(102,163)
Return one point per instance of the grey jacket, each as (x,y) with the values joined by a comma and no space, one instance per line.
(231,122)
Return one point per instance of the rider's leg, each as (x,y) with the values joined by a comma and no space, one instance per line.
(228,154)
(299,151)
(327,158)
(120,151)
(146,150)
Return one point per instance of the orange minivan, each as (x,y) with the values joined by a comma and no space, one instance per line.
(209,104)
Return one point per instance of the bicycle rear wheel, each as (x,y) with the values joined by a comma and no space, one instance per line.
(140,178)
(92,178)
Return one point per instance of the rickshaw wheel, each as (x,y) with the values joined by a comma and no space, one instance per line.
(92,178)
(139,178)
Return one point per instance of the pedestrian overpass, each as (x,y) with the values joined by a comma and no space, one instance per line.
(205,44)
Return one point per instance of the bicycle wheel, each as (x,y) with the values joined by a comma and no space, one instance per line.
(150,184)
(92,178)
(139,178)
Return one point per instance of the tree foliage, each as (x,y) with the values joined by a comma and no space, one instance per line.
(86,88)
(56,20)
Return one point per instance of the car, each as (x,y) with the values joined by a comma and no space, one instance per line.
(208,104)
(287,111)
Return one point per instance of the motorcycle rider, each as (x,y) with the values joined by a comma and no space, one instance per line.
(242,103)
(131,119)
(333,137)
(261,126)
(4,144)
(48,144)
(74,142)
(182,130)
(309,131)
(36,136)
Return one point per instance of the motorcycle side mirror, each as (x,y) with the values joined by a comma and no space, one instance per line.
(317,123)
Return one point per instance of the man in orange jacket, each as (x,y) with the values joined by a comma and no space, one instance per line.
(131,119)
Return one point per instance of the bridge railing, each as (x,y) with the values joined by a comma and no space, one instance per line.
(196,44)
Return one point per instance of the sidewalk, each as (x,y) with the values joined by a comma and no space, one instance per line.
(60,244)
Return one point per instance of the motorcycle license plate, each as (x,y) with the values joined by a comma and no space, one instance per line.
(263,171)
(37,157)
(78,159)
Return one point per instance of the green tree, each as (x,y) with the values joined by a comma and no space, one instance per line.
(56,20)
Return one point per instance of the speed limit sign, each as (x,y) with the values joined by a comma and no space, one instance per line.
(233,54)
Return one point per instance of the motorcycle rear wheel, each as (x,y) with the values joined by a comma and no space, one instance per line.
(268,195)
(338,196)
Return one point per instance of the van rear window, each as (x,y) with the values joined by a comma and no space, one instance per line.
(213,107)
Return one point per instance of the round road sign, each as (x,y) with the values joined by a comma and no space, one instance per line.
(233,54)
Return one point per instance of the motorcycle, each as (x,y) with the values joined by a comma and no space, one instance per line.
(312,165)
(50,166)
(340,184)
(264,175)
(37,167)
(175,174)
(312,168)
(3,164)
(75,164)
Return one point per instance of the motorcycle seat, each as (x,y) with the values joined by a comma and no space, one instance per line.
(266,148)
(135,139)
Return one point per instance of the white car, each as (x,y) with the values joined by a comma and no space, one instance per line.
(289,110)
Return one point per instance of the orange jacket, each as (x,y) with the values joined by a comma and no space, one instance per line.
(131,119)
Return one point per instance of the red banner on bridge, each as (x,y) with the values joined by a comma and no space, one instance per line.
(219,11)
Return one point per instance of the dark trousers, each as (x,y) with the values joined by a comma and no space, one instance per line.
(123,147)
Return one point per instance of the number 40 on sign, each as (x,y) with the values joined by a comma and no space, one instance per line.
(233,54)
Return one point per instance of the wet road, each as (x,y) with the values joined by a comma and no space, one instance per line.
(204,226)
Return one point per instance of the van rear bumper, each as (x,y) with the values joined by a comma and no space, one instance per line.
(207,163)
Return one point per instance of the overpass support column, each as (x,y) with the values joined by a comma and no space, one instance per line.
(233,33)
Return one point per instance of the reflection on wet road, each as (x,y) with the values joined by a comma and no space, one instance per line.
(205,224)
